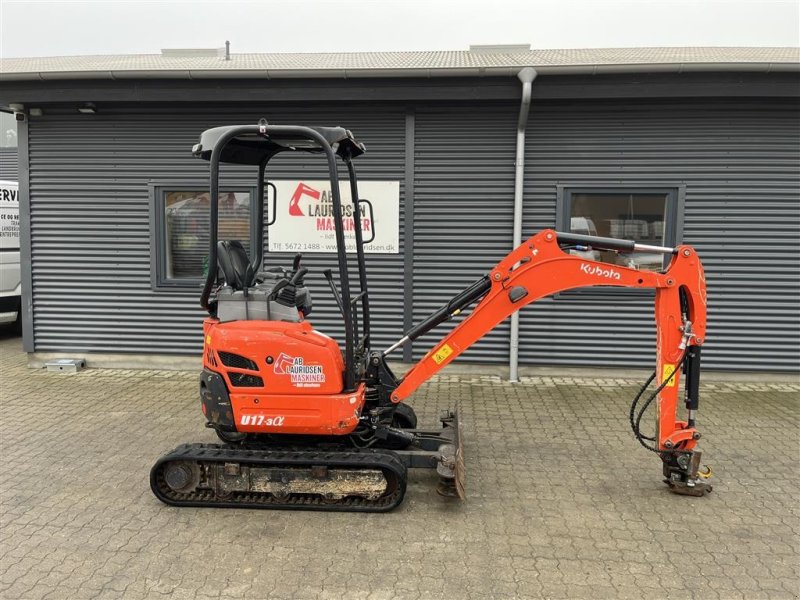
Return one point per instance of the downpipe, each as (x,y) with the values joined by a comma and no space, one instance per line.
(526,76)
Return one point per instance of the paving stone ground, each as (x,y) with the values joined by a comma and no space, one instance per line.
(562,501)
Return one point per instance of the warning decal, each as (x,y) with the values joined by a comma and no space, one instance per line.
(666,372)
(442,353)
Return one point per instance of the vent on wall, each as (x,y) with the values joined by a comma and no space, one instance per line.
(193,52)
(499,48)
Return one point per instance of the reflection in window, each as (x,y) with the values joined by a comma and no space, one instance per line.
(629,216)
(8,130)
(186,218)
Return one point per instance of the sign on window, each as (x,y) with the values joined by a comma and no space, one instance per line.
(305,217)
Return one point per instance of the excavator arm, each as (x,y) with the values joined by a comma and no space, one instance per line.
(540,267)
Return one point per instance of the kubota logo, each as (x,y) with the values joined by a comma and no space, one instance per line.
(301,374)
(600,272)
(301,190)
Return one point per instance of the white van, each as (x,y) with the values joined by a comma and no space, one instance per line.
(10,280)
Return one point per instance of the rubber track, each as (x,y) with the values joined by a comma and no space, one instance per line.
(385,460)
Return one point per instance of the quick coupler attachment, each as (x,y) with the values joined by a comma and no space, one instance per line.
(683,474)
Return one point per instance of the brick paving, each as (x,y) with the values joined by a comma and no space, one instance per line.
(562,503)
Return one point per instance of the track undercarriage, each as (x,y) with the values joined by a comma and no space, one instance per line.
(312,477)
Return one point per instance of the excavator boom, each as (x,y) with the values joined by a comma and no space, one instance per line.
(540,267)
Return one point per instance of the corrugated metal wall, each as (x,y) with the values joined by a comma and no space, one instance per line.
(9,164)
(463,210)
(90,235)
(737,160)
(739,164)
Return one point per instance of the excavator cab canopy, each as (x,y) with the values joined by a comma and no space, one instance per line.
(257,148)
(255,145)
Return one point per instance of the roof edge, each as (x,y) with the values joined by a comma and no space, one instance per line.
(585,69)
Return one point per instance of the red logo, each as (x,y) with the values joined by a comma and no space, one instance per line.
(283,363)
(301,190)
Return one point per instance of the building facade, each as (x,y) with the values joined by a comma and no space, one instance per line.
(112,200)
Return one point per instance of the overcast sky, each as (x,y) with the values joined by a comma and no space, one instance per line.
(34,28)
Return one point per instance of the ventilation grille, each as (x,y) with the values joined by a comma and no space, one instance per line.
(245,380)
(237,362)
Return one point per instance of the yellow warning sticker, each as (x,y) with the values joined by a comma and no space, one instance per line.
(442,353)
(208,340)
(666,372)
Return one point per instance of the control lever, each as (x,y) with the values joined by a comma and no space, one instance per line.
(286,289)
(297,277)
(329,276)
(282,283)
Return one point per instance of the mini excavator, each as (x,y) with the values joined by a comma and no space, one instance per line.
(304,425)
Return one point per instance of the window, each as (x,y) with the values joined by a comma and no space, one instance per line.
(180,224)
(648,216)
(8,130)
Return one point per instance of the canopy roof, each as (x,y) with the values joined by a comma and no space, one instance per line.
(255,148)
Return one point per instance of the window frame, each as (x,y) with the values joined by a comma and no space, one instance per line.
(158,240)
(673,227)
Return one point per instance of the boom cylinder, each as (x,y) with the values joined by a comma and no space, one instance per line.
(448,311)
(603,243)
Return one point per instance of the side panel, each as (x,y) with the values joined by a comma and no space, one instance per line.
(273,357)
(335,414)
(275,377)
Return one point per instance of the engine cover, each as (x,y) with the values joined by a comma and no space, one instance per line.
(287,358)
(282,377)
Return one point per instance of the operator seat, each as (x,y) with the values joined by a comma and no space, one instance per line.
(234,263)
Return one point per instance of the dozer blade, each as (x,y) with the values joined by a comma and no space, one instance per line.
(461,469)
(451,468)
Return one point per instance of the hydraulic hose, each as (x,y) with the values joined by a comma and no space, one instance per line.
(636,425)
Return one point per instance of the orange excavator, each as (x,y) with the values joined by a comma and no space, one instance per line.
(305,425)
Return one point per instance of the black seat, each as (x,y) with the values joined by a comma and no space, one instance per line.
(235,264)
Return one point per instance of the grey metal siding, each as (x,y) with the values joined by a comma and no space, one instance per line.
(463,210)
(735,160)
(739,162)
(90,233)
(9,164)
